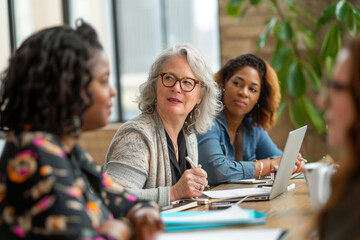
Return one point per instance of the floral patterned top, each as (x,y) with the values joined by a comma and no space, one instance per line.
(48,193)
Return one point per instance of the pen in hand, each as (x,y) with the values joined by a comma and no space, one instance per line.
(194,166)
(191,162)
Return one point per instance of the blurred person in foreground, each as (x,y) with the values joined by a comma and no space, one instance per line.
(238,145)
(56,86)
(340,217)
(147,154)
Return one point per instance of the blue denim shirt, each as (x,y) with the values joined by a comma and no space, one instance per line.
(217,153)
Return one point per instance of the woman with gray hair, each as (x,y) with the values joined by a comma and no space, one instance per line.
(147,154)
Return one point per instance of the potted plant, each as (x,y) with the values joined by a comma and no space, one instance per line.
(305,49)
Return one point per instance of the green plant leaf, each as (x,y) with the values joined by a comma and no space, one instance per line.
(291,6)
(255,2)
(332,42)
(289,2)
(308,37)
(243,11)
(282,73)
(351,24)
(280,57)
(342,10)
(313,77)
(356,13)
(263,37)
(315,62)
(280,111)
(295,80)
(357,20)
(308,41)
(305,13)
(233,8)
(297,113)
(326,15)
(315,117)
(285,32)
(278,45)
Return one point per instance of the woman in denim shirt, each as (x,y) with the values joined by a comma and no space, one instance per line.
(238,145)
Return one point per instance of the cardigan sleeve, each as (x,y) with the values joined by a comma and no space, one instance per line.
(128,162)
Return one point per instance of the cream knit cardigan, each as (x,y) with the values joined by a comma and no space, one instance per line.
(138,158)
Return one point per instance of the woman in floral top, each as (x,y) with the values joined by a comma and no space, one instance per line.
(57,85)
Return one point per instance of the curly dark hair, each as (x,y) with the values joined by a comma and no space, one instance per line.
(265,114)
(46,84)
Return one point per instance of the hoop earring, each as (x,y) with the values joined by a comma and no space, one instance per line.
(195,113)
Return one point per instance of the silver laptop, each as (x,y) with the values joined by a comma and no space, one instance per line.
(281,181)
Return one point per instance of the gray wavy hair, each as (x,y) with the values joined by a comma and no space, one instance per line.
(209,107)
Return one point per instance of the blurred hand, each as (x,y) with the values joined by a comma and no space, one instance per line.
(146,222)
(299,164)
(275,162)
(336,166)
(116,229)
(191,184)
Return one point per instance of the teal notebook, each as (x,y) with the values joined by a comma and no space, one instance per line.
(233,216)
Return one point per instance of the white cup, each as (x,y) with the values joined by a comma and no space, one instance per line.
(318,180)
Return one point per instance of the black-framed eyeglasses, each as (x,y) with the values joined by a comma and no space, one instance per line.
(186,84)
(337,86)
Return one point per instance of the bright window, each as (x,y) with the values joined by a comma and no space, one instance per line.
(133,33)
(147,27)
(98,13)
(4,36)
(34,15)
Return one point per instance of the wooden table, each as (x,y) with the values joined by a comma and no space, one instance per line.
(290,211)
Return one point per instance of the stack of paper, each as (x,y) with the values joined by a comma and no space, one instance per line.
(235,215)
(229,234)
(180,206)
(236,193)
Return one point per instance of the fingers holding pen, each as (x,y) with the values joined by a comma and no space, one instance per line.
(198,171)
(198,178)
(191,184)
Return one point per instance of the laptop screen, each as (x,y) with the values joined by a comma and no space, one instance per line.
(287,162)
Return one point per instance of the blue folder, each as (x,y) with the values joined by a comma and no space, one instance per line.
(254,217)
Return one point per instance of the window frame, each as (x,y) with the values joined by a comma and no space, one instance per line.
(116,38)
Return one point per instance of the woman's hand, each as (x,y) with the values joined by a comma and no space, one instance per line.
(299,164)
(191,184)
(117,229)
(270,164)
(267,167)
(146,223)
(275,162)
